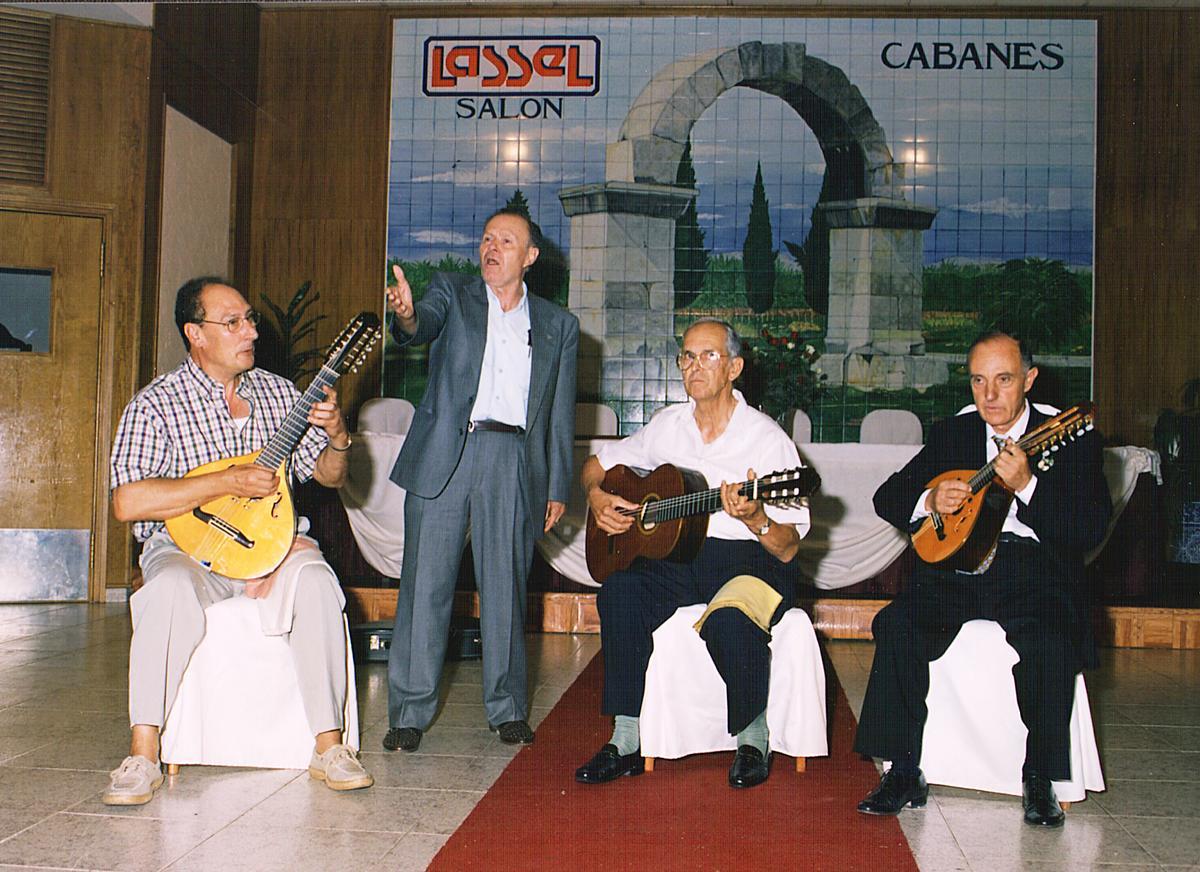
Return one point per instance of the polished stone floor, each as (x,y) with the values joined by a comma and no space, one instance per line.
(63,726)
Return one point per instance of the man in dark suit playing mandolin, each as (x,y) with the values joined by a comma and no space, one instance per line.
(1031,586)
(748,545)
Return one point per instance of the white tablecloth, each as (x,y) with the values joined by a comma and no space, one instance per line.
(848,542)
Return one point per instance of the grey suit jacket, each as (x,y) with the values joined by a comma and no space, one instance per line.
(453,317)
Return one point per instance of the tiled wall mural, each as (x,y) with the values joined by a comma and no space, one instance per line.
(858,196)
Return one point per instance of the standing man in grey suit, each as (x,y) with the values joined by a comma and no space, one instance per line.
(490,445)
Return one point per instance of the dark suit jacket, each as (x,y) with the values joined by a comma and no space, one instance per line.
(452,315)
(1070,507)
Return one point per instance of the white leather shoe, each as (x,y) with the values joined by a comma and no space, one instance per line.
(339,769)
(133,782)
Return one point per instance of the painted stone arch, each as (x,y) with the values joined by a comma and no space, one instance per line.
(656,129)
(866,248)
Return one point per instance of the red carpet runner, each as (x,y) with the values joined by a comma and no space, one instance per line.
(681,816)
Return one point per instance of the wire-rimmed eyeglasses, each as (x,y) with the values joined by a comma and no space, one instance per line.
(707,359)
(236,322)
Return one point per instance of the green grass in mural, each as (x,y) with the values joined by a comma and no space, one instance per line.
(960,300)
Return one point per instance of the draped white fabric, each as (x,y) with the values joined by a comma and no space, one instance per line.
(684,711)
(848,542)
(974,736)
(374,505)
(239,702)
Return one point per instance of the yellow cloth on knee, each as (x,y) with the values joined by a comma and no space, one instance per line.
(750,595)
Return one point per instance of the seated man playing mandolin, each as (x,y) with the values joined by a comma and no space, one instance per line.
(216,406)
(1025,574)
(747,550)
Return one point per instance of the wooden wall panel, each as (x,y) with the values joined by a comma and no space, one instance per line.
(1147,342)
(97,166)
(320,167)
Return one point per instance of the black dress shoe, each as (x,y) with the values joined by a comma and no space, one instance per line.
(894,792)
(514,733)
(750,768)
(402,739)
(1041,805)
(610,764)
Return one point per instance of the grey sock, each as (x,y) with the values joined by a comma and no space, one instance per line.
(755,733)
(625,735)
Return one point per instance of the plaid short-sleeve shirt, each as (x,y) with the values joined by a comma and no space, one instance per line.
(180,421)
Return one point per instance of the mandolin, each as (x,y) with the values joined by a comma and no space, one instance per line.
(671,519)
(248,537)
(966,539)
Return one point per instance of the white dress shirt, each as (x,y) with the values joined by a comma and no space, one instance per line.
(751,440)
(507,355)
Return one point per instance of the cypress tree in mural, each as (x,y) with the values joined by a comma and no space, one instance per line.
(691,258)
(758,258)
(547,277)
(518,203)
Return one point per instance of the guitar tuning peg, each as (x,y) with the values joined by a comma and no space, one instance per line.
(1054,447)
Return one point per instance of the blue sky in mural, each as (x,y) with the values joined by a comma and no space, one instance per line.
(1006,156)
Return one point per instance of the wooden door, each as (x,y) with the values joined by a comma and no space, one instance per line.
(48,475)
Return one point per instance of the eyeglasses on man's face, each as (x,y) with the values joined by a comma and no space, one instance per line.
(707,359)
(236,322)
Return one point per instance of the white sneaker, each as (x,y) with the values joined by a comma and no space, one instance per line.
(339,769)
(133,782)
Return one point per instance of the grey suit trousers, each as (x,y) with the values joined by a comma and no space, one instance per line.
(486,491)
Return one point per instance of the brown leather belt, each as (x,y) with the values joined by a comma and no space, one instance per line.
(495,427)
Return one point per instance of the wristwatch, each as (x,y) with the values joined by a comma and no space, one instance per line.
(764,529)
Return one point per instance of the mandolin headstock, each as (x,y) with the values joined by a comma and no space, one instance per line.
(1062,428)
(354,343)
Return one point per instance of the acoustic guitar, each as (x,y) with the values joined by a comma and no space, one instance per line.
(248,537)
(966,540)
(671,519)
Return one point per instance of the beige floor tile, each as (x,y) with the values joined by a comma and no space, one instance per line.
(412,853)
(47,790)
(433,772)
(1174,841)
(102,842)
(250,847)
(307,803)
(1151,799)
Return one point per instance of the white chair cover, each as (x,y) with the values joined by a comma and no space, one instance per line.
(684,711)
(974,736)
(386,415)
(595,419)
(239,702)
(801,426)
(891,427)
(374,505)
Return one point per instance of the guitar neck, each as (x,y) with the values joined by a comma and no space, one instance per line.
(295,424)
(685,505)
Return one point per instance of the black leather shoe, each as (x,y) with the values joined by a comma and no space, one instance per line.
(894,792)
(750,768)
(1041,805)
(402,739)
(514,733)
(610,764)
